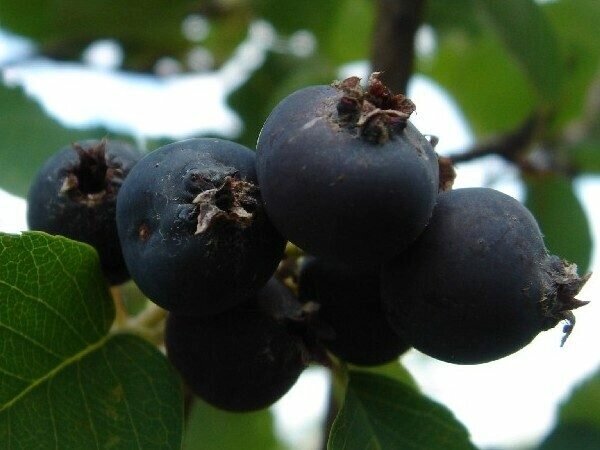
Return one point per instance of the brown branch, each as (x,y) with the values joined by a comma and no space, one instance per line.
(393,47)
(511,146)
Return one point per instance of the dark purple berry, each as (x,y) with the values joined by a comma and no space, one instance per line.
(74,195)
(193,229)
(478,284)
(349,305)
(343,173)
(243,359)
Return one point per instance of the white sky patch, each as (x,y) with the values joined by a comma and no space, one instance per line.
(13,212)
(143,105)
(300,413)
(104,54)
(138,104)
(13,48)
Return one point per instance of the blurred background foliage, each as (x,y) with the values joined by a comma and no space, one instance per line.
(525,74)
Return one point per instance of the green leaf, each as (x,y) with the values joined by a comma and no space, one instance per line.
(350,30)
(394,370)
(572,437)
(583,405)
(578,424)
(147,29)
(251,100)
(585,156)
(576,23)
(380,413)
(227,31)
(491,91)
(448,17)
(298,15)
(208,428)
(530,39)
(561,218)
(27,138)
(64,381)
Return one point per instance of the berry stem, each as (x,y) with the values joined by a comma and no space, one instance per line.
(151,316)
(148,324)
(121,315)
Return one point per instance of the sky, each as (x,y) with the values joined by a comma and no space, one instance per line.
(507,394)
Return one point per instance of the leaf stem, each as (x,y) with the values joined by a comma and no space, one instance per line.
(150,316)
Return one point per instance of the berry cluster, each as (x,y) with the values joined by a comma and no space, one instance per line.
(397,258)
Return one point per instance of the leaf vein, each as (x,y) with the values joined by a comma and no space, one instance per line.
(87,407)
(47,306)
(51,411)
(75,282)
(53,372)
(127,407)
(13,375)
(31,340)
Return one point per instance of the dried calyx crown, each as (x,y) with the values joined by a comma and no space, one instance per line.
(234,201)
(94,178)
(374,110)
(561,284)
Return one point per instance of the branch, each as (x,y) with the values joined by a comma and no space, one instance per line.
(511,146)
(393,47)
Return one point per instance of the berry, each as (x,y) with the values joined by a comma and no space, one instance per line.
(343,174)
(349,304)
(74,195)
(479,283)
(240,360)
(192,226)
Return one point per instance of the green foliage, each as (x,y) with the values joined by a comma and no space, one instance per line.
(66,382)
(491,91)
(349,32)
(493,58)
(379,413)
(208,428)
(227,30)
(578,425)
(22,115)
(530,39)
(561,218)
(576,25)
(583,406)
(448,18)
(298,15)
(585,156)
(394,370)
(147,29)
(572,437)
